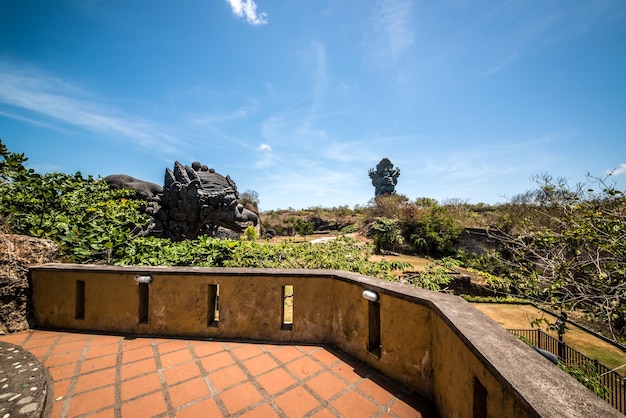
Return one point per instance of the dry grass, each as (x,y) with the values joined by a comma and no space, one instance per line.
(520,316)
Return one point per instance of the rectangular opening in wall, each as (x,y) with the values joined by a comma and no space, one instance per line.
(213,305)
(287,307)
(80,299)
(373,320)
(144,295)
(480,399)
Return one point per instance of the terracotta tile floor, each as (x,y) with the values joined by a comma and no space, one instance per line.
(113,376)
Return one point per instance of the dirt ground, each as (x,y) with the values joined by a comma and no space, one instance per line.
(520,316)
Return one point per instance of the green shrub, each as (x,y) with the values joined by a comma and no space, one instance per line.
(433,231)
(88,221)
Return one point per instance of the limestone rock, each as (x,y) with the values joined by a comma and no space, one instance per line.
(17,253)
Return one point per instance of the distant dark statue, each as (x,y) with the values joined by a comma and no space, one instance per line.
(384,178)
(194,201)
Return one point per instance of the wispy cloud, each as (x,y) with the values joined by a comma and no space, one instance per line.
(247,9)
(51,101)
(511,58)
(392,27)
(237,114)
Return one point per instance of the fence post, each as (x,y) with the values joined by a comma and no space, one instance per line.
(539,339)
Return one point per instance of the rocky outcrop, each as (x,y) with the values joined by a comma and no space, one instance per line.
(334,224)
(17,253)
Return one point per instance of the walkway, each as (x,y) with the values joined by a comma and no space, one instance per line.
(113,376)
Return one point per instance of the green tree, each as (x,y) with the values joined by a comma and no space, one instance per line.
(387,233)
(303,227)
(432,230)
(571,250)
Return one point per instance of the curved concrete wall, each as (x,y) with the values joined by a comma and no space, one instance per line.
(436,345)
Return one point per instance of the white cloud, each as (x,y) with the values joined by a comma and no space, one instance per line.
(247,9)
(265,156)
(618,171)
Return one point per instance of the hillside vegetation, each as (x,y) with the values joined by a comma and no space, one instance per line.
(560,245)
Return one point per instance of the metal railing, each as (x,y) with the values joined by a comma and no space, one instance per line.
(570,357)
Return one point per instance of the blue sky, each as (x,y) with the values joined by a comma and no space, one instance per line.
(298,99)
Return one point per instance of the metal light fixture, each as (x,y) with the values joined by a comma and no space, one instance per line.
(143,279)
(370,295)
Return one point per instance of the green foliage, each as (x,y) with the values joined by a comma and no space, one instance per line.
(343,253)
(202,252)
(86,219)
(489,266)
(303,227)
(588,375)
(12,165)
(559,326)
(387,233)
(496,299)
(349,229)
(250,233)
(433,231)
(570,250)
(436,275)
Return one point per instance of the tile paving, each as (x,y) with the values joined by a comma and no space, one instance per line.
(116,376)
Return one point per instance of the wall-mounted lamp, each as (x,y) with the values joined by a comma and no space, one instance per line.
(139,279)
(370,295)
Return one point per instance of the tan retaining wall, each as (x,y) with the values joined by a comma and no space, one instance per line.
(436,345)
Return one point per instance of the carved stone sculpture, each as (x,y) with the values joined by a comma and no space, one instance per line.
(384,178)
(194,201)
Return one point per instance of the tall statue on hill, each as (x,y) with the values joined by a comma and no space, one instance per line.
(384,178)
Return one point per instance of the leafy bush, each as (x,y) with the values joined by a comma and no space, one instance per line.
(436,275)
(433,231)
(344,253)
(303,227)
(588,375)
(387,233)
(87,220)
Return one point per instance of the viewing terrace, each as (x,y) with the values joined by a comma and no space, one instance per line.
(180,341)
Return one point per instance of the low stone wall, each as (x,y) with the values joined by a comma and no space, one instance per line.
(478,241)
(436,345)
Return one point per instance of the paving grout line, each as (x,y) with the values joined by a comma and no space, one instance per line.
(267,398)
(323,403)
(161,376)
(250,379)
(74,379)
(207,381)
(48,353)
(117,406)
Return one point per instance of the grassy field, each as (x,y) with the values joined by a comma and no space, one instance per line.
(520,316)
